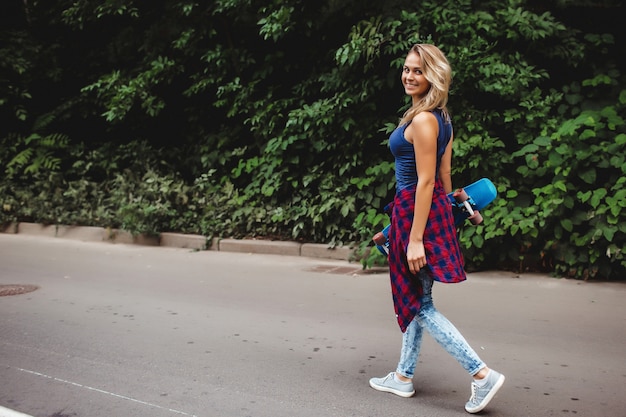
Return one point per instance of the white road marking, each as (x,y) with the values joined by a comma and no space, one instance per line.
(6,412)
(95,390)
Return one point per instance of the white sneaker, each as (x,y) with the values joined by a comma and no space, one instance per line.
(389,384)
(481,395)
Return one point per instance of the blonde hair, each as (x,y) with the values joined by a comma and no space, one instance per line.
(438,73)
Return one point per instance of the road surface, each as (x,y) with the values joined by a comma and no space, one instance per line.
(126,330)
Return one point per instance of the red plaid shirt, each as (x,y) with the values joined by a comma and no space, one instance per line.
(443,254)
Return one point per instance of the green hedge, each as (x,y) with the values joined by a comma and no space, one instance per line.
(253,118)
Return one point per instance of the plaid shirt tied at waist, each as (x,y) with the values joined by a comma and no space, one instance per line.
(443,254)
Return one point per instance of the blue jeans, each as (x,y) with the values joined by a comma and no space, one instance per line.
(441,330)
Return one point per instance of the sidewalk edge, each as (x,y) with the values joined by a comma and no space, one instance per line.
(183,241)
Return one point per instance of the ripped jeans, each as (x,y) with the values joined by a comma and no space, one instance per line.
(441,330)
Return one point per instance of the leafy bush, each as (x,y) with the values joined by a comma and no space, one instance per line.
(577,219)
(243,118)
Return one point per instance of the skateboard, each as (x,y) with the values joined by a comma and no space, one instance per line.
(466,203)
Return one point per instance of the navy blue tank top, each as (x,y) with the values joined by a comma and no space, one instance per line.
(404,153)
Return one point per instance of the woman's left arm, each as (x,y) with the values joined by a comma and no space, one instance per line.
(422,133)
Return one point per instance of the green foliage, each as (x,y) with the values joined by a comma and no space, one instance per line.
(270,118)
(276,22)
(577,218)
(17,52)
(120,93)
(36,152)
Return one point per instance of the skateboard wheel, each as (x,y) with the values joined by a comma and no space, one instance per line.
(476,218)
(460,195)
(379,238)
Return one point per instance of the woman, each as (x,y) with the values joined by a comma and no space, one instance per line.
(423,242)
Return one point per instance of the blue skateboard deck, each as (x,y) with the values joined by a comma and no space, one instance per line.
(466,203)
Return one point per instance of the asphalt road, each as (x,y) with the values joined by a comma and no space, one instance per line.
(123,330)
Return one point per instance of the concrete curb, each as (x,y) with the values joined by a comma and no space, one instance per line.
(179,240)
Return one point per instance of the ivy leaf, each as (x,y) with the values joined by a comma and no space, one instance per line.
(567,225)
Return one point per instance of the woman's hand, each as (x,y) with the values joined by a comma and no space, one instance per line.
(416,256)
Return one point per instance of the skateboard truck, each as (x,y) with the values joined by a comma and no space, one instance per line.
(461,197)
(381,242)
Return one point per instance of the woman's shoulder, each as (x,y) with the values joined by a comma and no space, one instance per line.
(423,124)
(433,118)
(424,117)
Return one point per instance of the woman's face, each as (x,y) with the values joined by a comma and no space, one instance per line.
(414,82)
